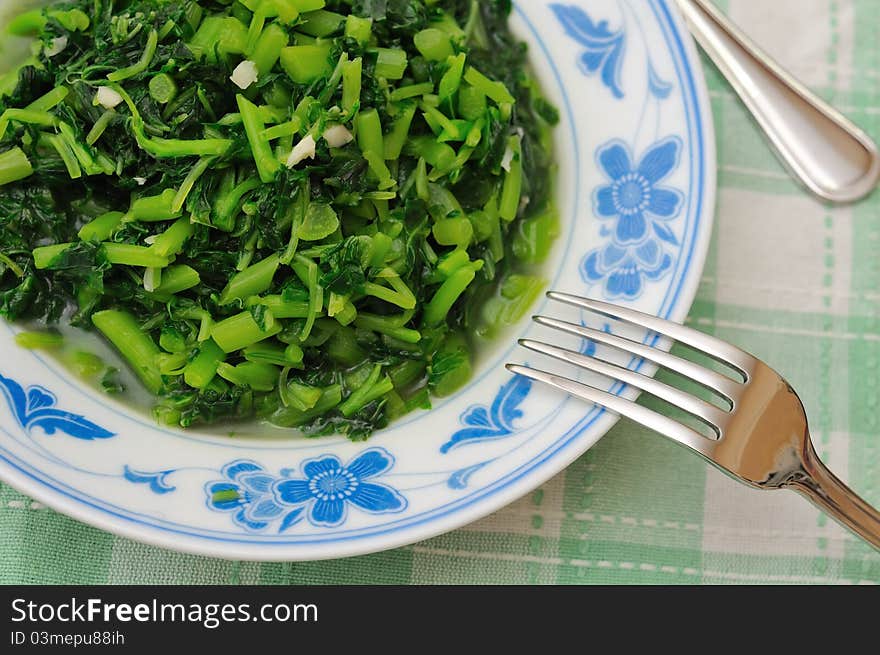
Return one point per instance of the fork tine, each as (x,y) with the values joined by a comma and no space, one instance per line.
(650,419)
(706,412)
(716,348)
(708,378)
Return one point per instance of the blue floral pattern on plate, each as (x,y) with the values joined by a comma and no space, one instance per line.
(494,422)
(256,499)
(36,408)
(636,210)
(158,481)
(603,49)
(329,487)
(246,493)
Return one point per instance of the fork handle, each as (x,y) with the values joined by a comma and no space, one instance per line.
(825,490)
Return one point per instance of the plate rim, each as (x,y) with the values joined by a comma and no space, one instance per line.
(538,470)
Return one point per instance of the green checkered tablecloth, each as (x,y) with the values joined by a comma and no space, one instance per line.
(795,282)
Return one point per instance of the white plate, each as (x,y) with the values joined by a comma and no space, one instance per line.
(636,157)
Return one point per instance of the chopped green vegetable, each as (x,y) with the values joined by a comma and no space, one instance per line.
(391,63)
(142,64)
(252,281)
(268,49)
(313,212)
(154,208)
(434,44)
(135,345)
(319,223)
(450,367)
(321,23)
(201,370)
(14,166)
(258,376)
(240,331)
(267,164)
(176,279)
(163,88)
(130,255)
(359,29)
(352,75)
(39,340)
(306,63)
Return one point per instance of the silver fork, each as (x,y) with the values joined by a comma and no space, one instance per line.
(763,439)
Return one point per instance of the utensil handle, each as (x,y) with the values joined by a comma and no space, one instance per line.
(831,156)
(828,493)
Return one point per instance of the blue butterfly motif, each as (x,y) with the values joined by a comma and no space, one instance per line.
(36,408)
(496,421)
(603,48)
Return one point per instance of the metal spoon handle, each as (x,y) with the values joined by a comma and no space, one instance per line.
(831,156)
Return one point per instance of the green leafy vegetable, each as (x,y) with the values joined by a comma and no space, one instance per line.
(308,211)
